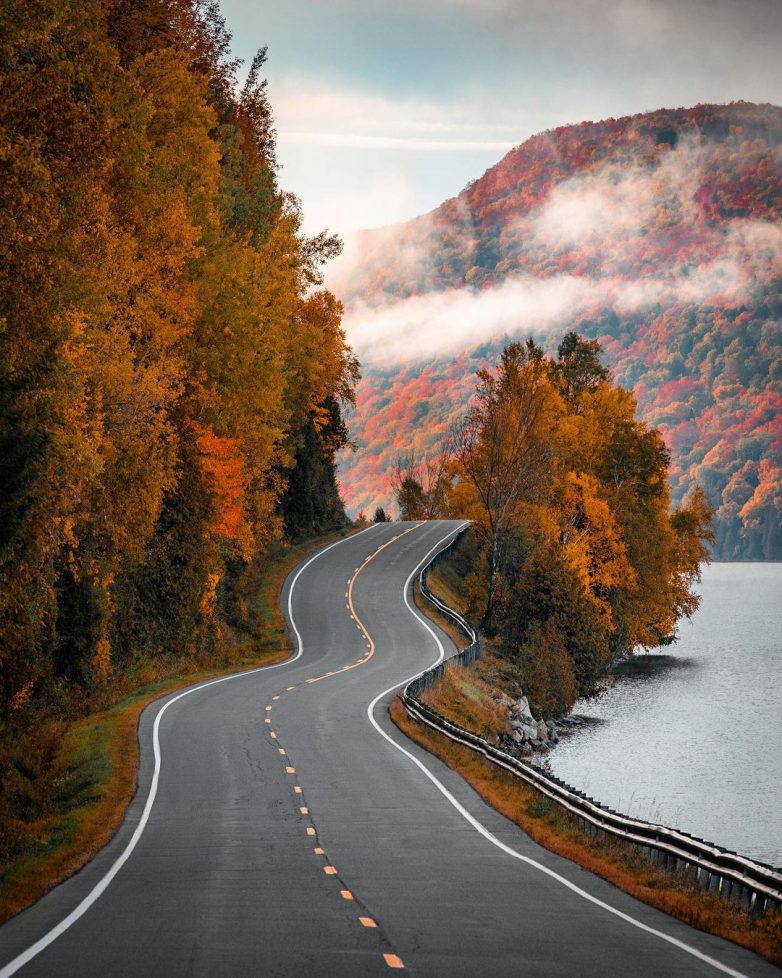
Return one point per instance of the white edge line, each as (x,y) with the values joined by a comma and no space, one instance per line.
(35,949)
(482,829)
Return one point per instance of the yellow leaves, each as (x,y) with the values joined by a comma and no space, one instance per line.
(317,354)
(157,326)
(592,543)
(21,697)
(209,596)
(101,660)
(180,123)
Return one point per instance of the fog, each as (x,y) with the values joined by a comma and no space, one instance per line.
(603,220)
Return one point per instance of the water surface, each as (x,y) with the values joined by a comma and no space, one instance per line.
(691,736)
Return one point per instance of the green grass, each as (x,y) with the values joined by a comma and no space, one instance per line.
(94,771)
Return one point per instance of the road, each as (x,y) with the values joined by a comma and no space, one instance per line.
(284,827)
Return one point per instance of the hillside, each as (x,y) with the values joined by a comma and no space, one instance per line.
(658,234)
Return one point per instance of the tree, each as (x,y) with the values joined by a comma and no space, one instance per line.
(503,450)
(578,367)
(172,378)
(583,556)
(381,516)
(421,487)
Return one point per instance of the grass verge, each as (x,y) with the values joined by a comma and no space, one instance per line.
(614,861)
(96,765)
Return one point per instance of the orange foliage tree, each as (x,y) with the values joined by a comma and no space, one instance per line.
(584,557)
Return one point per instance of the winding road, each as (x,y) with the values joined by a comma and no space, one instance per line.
(284,827)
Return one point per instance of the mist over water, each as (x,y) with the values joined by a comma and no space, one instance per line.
(692,736)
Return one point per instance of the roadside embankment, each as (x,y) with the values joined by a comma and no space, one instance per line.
(471,697)
(96,763)
(486,697)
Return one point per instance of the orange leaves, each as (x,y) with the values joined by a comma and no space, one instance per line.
(223,468)
(593,544)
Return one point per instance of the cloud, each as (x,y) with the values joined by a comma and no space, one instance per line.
(339,145)
(309,111)
(384,194)
(358,141)
(619,232)
(443,323)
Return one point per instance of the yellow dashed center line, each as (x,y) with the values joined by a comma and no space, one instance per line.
(351,608)
(393,961)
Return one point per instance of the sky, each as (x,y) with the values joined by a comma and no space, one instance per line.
(385,108)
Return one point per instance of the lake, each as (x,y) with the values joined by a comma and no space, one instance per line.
(691,735)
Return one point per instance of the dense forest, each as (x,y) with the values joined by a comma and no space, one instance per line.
(581,558)
(658,235)
(172,375)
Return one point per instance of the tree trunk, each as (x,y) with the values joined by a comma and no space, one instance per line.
(488,615)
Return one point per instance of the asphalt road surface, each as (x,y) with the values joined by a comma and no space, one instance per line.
(284,827)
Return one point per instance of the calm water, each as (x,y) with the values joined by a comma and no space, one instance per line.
(692,736)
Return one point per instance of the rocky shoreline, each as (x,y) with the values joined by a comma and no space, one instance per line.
(528,736)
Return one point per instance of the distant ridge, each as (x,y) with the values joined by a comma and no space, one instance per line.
(657,233)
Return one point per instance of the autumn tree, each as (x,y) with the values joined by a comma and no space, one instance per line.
(584,557)
(502,448)
(421,486)
(173,376)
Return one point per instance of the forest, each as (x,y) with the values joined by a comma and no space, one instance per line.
(173,375)
(581,558)
(658,235)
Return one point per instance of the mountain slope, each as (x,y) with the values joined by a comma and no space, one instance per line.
(658,234)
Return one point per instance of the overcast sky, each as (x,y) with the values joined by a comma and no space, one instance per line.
(385,108)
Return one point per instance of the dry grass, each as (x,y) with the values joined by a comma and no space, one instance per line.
(97,763)
(464,694)
(465,697)
(614,861)
(446,580)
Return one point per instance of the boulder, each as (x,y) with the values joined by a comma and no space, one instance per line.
(542,731)
(530,731)
(517,736)
(522,706)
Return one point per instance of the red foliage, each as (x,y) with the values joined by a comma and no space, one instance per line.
(696,193)
(223,470)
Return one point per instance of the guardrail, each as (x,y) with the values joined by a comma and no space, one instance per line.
(755,886)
